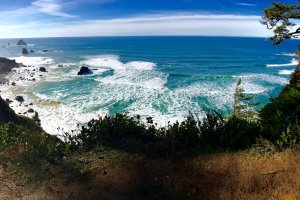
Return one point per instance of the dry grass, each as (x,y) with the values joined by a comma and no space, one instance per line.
(113,174)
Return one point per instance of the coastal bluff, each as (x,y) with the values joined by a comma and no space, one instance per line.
(6,65)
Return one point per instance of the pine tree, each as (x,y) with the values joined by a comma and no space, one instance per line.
(242,108)
(280,18)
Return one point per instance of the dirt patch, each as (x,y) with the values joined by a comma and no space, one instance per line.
(119,175)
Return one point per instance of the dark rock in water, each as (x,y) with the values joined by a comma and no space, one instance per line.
(45,50)
(31,104)
(31,51)
(13,84)
(42,69)
(8,101)
(60,65)
(85,71)
(25,51)
(21,42)
(19,99)
(30,110)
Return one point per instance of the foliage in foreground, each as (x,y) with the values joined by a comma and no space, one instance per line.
(212,133)
(282,115)
(21,143)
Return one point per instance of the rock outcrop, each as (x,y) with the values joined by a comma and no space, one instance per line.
(25,51)
(6,65)
(31,51)
(42,69)
(19,99)
(21,42)
(30,110)
(84,71)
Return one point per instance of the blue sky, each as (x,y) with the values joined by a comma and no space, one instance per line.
(57,18)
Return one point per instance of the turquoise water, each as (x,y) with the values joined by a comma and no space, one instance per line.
(163,77)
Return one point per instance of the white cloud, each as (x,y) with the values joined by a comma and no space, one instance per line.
(163,24)
(246,4)
(50,7)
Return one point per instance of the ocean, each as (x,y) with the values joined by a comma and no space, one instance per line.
(162,77)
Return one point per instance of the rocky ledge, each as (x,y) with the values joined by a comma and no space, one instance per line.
(6,65)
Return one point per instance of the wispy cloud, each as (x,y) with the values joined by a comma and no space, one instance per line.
(159,24)
(50,7)
(246,4)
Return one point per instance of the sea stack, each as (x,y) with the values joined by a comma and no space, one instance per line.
(42,69)
(24,51)
(84,71)
(21,42)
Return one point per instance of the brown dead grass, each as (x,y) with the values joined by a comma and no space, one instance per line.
(120,175)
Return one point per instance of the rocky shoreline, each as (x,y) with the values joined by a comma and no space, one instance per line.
(8,66)
(16,79)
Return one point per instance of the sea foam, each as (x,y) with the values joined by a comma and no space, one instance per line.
(285,72)
(293,62)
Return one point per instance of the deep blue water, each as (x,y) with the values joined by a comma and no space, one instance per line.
(165,77)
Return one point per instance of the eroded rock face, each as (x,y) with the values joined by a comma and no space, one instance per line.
(21,42)
(6,65)
(84,71)
(25,51)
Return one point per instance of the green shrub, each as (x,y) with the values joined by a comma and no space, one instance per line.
(240,133)
(99,131)
(17,141)
(290,138)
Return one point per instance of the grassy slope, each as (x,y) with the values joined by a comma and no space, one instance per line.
(113,174)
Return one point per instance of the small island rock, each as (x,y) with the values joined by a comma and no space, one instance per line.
(31,51)
(25,51)
(21,42)
(84,71)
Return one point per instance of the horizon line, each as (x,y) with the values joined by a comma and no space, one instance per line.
(107,36)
